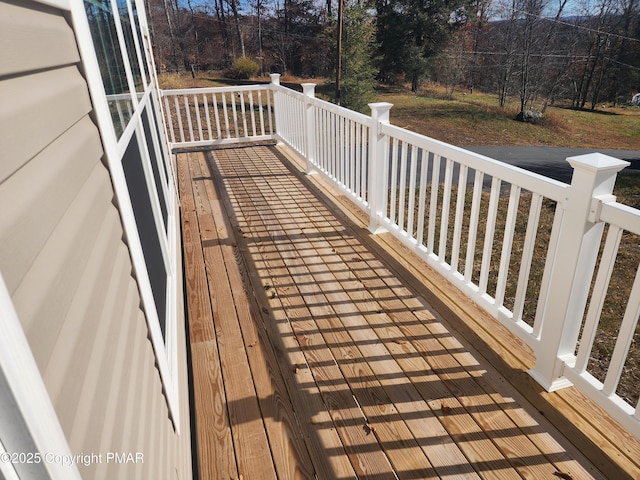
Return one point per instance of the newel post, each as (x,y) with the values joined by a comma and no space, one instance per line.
(308,89)
(378,155)
(275,84)
(570,267)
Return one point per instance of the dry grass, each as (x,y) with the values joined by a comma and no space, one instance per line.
(476,119)
(170,81)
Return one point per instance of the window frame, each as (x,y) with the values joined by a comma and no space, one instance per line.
(165,347)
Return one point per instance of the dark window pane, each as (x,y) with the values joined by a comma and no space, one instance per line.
(158,170)
(143,213)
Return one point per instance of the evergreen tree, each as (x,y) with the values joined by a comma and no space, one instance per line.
(358,48)
(411,31)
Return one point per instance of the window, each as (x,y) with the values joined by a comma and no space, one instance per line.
(111,62)
(138,161)
(141,198)
(127,31)
(159,173)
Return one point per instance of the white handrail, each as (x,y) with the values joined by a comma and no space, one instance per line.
(207,90)
(399,162)
(218,115)
(460,212)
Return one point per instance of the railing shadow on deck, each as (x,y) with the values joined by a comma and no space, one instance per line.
(452,221)
(463,381)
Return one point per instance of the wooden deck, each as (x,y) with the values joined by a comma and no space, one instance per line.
(316,353)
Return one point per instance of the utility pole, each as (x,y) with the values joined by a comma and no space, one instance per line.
(339,62)
(260,57)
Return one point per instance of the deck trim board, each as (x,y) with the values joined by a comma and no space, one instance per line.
(353,372)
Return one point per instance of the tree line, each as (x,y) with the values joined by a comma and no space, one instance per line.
(538,51)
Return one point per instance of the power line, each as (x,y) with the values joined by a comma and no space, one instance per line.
(584,58)
(624,64)
(538,55)
(578,26)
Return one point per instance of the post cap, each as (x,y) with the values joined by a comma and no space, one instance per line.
(380,106)
(597,162)
(308,89)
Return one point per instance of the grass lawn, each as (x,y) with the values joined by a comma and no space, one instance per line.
(476,119)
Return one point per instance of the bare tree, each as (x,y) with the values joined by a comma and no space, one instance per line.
(480,20)
(530,12)
(506,42)
(233,4)
(222,21)
(171,16)
(601,32)
(450,66)
(543,63)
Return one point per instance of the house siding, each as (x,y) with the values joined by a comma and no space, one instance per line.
(66,263)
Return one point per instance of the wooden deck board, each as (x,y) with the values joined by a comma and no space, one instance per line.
(592,432)
(477,446)
(290,455)
(336,315)
(261,421)
(405,397)
(368,458)
(330,363)
(343,307)
(215,453)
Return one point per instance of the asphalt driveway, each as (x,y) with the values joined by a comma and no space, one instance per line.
(551,161)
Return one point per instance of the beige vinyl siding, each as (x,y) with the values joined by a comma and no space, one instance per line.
(47,180)
(38,108)
(42,34)
(65,260)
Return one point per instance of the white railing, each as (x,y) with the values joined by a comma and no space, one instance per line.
(456,193)
(620,220)
(333,140)
(522,246)
(213,116)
